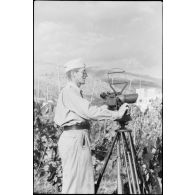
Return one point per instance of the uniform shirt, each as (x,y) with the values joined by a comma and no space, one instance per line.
(72,108)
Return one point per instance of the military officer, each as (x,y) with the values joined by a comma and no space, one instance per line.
(72,114)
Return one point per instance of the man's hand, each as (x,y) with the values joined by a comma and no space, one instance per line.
(123,109)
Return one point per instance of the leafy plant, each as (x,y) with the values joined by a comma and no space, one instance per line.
(147,137)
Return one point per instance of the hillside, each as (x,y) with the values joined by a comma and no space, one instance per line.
(49,82)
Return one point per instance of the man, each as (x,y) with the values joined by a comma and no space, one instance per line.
(72,115)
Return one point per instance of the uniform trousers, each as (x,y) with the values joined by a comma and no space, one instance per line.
(75,154)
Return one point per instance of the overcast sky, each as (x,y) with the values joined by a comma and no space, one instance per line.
(105,34)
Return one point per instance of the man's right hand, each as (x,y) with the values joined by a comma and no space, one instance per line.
(123,109)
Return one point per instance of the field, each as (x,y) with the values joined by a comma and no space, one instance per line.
(147,135)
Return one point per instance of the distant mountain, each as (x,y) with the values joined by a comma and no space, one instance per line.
(146,80)
(51,77)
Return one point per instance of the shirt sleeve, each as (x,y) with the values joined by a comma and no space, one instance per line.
(80,106)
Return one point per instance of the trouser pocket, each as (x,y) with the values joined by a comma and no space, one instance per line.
(84,141)
(66,144)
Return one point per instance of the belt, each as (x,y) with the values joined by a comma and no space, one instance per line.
(83,125)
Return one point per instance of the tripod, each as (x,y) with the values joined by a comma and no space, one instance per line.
(136,182)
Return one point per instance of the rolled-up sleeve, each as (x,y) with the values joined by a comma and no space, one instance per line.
(80,106)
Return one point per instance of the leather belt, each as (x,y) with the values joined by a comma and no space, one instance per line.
(84,125)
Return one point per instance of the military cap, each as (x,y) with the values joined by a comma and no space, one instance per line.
(73,64)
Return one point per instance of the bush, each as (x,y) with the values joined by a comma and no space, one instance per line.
(147,136)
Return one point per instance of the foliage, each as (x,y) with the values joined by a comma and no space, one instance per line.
(147,136)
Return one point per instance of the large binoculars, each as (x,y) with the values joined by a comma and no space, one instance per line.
(114,101)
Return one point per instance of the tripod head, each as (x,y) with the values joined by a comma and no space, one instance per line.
(116,98)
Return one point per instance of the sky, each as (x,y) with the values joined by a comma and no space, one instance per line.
(106,35)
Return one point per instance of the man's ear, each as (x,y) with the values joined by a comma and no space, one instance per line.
(73,74)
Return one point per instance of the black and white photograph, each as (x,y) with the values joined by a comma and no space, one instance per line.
(98,97)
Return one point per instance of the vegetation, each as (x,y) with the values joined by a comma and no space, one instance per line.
(147,135)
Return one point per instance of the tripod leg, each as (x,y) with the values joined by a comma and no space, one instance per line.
(144,187)
(119,180)
(133,157)
(130,164)
(105,164)
(129,181)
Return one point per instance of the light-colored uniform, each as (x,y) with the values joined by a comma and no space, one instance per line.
(73,145)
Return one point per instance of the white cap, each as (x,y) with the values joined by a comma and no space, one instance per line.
(76,63)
